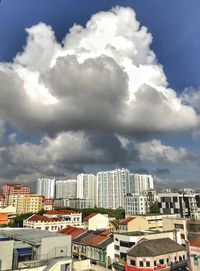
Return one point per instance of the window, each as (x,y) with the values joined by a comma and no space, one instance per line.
(141,263)
(161,261)
(155,264)
(123,255)
(147,264)
(116,247)
(132,262)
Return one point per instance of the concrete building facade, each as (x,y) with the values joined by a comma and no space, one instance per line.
(112,188)
(66,189)
(46,187)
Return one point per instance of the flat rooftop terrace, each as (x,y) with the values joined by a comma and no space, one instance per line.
(31,236)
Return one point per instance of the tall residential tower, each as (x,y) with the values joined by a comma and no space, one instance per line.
(46,187)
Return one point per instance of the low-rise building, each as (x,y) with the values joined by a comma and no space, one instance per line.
(125,240)
(133,224)
(158,254)
(72,217)
(41,222)
(155,221)
(10,211)
(96,221)
(4,219)
(30,248)
(98,246)
(48,204)
(135,204)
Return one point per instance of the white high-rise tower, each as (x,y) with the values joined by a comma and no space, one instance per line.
(140,183)
(66,189)
(112,187)
(87,187)
(46,187)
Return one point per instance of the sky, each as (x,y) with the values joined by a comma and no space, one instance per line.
(92,85)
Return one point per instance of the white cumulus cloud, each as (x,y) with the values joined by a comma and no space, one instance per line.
(104,76)
(154,150)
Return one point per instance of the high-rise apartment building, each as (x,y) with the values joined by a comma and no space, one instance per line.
(87,187)
(46,187)
(140,183)
(112,187)
(66,189)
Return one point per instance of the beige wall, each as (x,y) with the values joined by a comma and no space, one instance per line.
(61,246)
(138,224)
(97,222)
(176,224)
(6,255)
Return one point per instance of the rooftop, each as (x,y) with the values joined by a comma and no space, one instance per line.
(73,231)
(126,220)
(31,236)
(195,243)
(155,247)
(137,233)
(62,212)
(93,238)
(35,218)
(88,217)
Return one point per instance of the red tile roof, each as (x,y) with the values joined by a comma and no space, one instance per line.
(62,212)
(73,231)
(93,238)
(195,243)
(126,221)
(88,217)
(95,241)
(43,218)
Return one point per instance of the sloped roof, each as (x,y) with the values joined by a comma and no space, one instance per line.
(73,231)
(62,212)
(88,217)
(195,242)
(126,220)
(105,243)
(155,247)
(42,218)
(92,238)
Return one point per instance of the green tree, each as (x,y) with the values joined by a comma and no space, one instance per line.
(18,220)
(154,208)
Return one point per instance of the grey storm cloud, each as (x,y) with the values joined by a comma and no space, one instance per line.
(161,171)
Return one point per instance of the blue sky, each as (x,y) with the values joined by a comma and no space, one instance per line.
(175,30)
